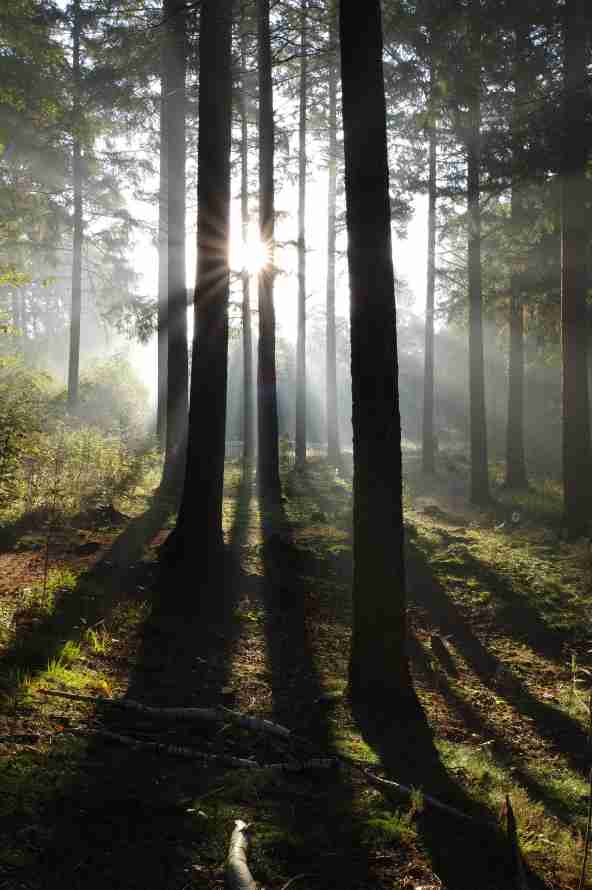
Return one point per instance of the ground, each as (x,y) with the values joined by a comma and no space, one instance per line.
(499,648)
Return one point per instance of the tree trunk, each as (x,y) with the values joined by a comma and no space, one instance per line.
(177,383)
(268,453)
(574,274)
(200,515)
(428,447)
(248,407)
(333,451)
(478,423)
(77,234)
(301,334)
(162,333)
(378,669)
(515,463)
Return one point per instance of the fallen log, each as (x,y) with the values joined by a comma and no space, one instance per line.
(237,875)
(212,715)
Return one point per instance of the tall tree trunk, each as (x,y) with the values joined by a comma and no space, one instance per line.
(574,273)
(333,450)
(177,383)
(515,462)
(268,453)
(77,234)
(200,515)
(162,332)
(248,406)
(378,669)
(301,333)
(478,423)
(428,446)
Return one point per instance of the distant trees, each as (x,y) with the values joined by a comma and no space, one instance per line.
(378,662)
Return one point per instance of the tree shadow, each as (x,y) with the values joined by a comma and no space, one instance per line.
(116,577)
(550,724)
(132,820)
(321,818)
(502,750)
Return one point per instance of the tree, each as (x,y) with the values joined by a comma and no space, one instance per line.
(174,55)
(200,515)
(378,663)
(77,236)
(162,331)
(301,332)
(248,407)
(574,271)
(478,432)
(333,451)
(268,453)
(515,462)
(428,443)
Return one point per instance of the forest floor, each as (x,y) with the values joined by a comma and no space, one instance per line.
(499,631)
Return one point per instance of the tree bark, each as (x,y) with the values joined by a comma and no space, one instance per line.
(574,273)
(515,461)
(478,423)
(200,515)
(248,406)
(378,669)
(333,450)
(162,332)
(77,234)
(177,383)
(268,453)
(428,445)
(301,333)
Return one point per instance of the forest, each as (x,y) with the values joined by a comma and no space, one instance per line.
(295,447)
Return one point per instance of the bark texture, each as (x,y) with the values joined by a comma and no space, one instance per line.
(378,662)
(248,406)
(162,332)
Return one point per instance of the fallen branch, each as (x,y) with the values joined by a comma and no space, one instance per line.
(208,715)
(388,787)
(237,874)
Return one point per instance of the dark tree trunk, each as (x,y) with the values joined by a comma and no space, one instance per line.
(574,273)
(333,450)
(268,453)
(177,377)
(248,406)
(478,423)
(301,333)
(515,462)
(162,332)
(378,663)
(428,445)
(77,234)
(200,515)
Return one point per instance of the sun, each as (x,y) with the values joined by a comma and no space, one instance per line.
(252,254)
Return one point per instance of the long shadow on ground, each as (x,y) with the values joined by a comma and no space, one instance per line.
(118,576)
(132,818)
(559,730)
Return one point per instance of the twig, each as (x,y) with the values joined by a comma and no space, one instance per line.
(237,874)
(294,879)
(388,786)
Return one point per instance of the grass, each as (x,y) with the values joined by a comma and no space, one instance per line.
(119,817)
